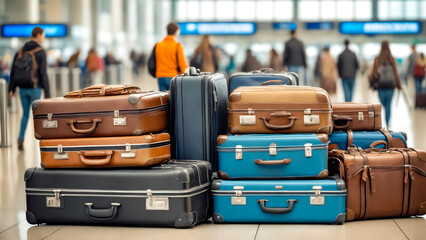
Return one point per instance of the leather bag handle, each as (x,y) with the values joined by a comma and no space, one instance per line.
(350,138)
(377,143)
(95,158)
(84,131)
(348,120)
(102,214)
(272,162)
(272,81)
(278,127)
(276,210)
(388,137)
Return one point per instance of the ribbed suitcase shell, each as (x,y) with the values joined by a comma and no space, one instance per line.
(272,156)
(279,109)
(173,194)
(357,116)
(121,115)
(239,201)
(364,139)
(128,151)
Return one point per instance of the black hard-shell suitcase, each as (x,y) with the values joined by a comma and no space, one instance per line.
(173,194)
(259,77)
(198,114)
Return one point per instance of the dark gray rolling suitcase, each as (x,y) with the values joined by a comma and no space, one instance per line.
(173,194)
(198,114)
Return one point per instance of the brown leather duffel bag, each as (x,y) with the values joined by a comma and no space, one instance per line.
(103,90)
(382,183)
(357,116)
(279,109)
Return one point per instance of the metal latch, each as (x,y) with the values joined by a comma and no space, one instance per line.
(250,111)
(273,149)
(311,119)
(238,152)
(317,199)
(60,154)
(54,202)
(370,114)
(128,153)
(247,120)
(308,111)
(156,203)
(49,123)
(119,121)
(238,199)
(215,98)
(308,150)
(360,116)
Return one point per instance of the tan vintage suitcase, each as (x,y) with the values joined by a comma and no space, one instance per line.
(105,116)
(142,150)
(357,116)
(383,183)
(279,109)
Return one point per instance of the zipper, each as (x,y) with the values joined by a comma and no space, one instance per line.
(102,113)
(105,147)
(266,149)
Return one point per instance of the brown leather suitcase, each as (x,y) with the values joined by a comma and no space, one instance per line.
(279,109)
(105,116)
(142,150)
(357,116)
(382,183)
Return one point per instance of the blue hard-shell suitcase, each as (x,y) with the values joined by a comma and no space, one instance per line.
(198,114)
(279,201)
(363,139)
(272,156)
(257,78)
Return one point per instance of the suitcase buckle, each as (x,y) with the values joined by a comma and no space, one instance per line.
(49,123)
(273,149)
(308,150)
(361,116)
(317,199)
(250,111)
(128,153)
(54,202)
(119,121)
(60,154)
(156,203)
(238,199)
(370,114)
(308,111)
(238,152)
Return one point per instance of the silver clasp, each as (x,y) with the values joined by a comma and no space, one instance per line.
(360,116)
(308,150)
(273,149)
(239,152)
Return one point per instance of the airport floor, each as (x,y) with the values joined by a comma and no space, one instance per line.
(13,224)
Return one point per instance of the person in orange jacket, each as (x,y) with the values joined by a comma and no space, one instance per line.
(169,56)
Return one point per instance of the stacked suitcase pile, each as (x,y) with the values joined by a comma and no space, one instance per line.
(93,144)
(273,165)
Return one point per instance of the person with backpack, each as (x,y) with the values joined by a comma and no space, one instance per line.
(29,73)
(419,72)
(167,59)
(385,78)
(205,57)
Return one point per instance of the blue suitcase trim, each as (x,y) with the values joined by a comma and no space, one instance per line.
(363,139)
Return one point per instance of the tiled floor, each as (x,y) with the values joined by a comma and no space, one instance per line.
(12,197)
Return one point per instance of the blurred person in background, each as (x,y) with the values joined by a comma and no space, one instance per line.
(411,62)
(205,57)
(30,77)
(419,72)
(274,60)
(135,64)
(169,58)
(251,63)
(109,59)
(385,78)
(294,57)
(347,65)
(92,67)
(328,69)
(73,61)
(230,69)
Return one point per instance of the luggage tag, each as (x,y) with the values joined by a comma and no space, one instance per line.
(128,153)
(56,201)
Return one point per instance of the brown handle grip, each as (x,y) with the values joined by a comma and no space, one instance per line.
(342,118)
(272,81)
(85,131)
(278,127)
(280,114)
(92,158)
(376,143)
(272,162)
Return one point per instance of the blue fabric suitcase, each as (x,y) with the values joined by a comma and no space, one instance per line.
(273,156)
(364,139)
(257,78)
(198,114)
(279,201)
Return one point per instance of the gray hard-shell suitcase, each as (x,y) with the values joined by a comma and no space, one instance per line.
(173,194)
(198,114)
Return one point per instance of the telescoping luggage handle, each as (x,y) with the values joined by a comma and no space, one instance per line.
(277,210)
(102,214)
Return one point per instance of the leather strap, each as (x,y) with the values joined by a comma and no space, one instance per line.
(388,137)
(365,194)
(350,138)
(369,120)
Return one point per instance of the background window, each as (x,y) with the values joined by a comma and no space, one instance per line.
(207,10)
(308,10)
(328,10)
(283,10)
(363,10)
(264,10)
(396,8)
(181,11)
(345,10)
(225,10)
(423,11)
(194,10)
(245,10)
(383,9)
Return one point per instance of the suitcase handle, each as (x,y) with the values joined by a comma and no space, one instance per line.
(278,127)
(272,162)
(376,143)
(342,118)
(275,210)
(102,214)
(85,131)
(92,158)
(273,81)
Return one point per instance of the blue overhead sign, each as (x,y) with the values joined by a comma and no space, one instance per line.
(372,28)
(284,25)
(217,28)
(24,30)
(319,26)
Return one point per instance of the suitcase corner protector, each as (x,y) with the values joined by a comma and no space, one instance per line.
(31,218)
(185,220)
(35,104)
(340,219)
(217,218)
(216,184)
